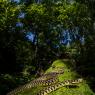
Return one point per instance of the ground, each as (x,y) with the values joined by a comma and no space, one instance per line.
(69,73)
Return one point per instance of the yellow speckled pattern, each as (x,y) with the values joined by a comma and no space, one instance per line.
(58,85)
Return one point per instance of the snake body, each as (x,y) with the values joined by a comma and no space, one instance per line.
(58,85)
(45,80)
(33,84)
(50,80)
(49,75)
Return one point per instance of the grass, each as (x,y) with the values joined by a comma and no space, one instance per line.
(69,73)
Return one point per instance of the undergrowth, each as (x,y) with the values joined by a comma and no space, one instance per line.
(69,73)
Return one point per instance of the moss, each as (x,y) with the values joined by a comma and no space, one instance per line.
(69,73)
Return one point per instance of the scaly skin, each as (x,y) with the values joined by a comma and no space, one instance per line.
(58,85)
(45,80)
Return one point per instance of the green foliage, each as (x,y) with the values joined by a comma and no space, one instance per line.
(8,15)
(73,15)
(20,60)
(69,73)
(24,57)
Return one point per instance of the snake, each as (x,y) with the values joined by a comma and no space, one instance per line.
(49,80)
(44,80)
(49,89)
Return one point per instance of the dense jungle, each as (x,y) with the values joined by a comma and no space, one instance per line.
(47,44)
